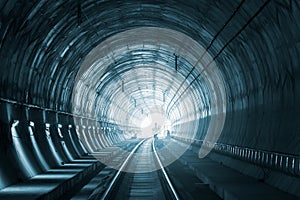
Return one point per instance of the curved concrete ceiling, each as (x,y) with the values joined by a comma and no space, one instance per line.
(253,43)
(135,74)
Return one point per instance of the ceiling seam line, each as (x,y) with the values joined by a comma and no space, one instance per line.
(223,48)
(209,46)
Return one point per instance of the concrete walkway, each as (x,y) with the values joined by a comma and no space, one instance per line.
(229,184)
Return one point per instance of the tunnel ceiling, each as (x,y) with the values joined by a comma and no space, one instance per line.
(143,71)
(44,44)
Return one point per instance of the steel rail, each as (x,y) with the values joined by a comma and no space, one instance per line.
(165,173)
(116,177)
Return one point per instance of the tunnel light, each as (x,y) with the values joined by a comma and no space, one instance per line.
(70,126)
(47,125)
(293,164)
(276,160)
(59,131)
(267,158)
(105,75)
(15,123)
(31,123)
(280,161)
(21,153)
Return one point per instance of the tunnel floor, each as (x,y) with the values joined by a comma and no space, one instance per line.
(191,178)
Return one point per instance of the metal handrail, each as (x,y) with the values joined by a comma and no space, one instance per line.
(286,163)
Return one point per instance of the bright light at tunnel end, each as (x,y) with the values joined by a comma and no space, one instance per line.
(85,93)
(155,124)
(146,122)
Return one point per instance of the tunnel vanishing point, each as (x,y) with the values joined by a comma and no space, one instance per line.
(150,99)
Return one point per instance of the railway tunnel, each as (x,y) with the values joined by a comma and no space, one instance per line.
(147,99)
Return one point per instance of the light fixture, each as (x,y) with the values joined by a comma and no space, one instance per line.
(15,123)
(105,75)
(31,124)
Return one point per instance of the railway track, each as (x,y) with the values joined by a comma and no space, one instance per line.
(145,183)
(141,174)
